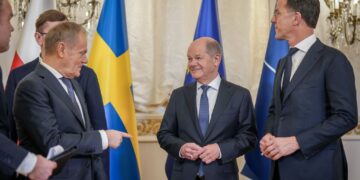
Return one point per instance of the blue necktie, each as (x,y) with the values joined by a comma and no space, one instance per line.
(70,89)
(204,110)
(203,118)
(287,69)
(71,93)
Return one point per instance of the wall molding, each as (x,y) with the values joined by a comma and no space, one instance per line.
(148,125)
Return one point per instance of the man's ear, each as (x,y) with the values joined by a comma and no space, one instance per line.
(39,38)
(217,58)
(60,49)
(298,18)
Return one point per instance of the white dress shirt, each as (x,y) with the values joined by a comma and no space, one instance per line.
(303,47)
(212,93)
(27,165)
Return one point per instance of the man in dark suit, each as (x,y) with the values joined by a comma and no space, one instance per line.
(314,100)
(87,80)
(206,132)
(12,157)
(50,107)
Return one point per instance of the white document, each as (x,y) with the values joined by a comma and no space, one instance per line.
(54,151)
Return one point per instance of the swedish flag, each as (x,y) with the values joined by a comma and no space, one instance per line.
(110,60)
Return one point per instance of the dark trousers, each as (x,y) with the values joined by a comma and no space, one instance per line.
(276,171)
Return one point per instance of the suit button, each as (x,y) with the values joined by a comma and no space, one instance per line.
(282,118)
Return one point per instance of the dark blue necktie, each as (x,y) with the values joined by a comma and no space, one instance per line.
(70,89)
(203,118)
(204,110)
(287,69)
(71,92)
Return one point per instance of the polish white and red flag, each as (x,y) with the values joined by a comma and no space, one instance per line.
(27,48)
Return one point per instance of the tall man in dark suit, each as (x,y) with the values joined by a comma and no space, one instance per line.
(50,107)
(87,79)
(314,100)
(209,123)
(12,157)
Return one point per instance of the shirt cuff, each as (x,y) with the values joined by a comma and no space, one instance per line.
(27,165)
(104,139)
(219,152)
(180,153)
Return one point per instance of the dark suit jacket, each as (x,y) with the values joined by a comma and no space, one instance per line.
(318,107)
(232,126)
(10,154)
(45,116)
(4,124)
(88,82)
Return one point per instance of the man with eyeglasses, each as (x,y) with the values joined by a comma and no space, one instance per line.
(314,100)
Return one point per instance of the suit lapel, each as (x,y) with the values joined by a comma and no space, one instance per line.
(190,98)
(311,57)
(80,95)
(3,114)
(50,81)
(222,100)
(277,92)
(278,80)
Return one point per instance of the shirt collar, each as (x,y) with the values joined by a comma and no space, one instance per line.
(51,69)
(305,44)
(214,84)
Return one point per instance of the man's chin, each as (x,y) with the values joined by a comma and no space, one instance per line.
(195,75)
(72,76)
(77,75)
(5,48)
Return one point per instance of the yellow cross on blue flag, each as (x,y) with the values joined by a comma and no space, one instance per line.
(110,60)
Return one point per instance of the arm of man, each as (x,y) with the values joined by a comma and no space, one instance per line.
(167,135)
(11,155)
(342,107)
(14,158)
(276,147)
(42,168)
(9,93)
(245,137)
(40,123)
